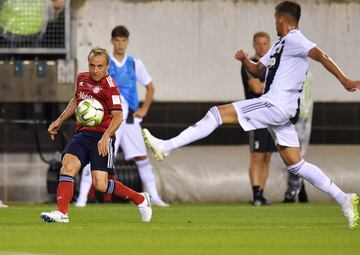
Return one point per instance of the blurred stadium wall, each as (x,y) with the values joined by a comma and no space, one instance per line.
(188,48)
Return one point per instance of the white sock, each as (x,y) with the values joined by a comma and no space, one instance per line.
(199,130)
(85,185)
(316,177)
(147,177)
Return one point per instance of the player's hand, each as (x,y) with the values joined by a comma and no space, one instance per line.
(241,55)
(351,85)
(103,145)
(53,128)
(140,113)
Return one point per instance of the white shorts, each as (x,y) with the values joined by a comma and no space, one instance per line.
(256,113)
(129,137)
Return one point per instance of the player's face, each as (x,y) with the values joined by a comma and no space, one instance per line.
(120,44)
(98,67)
(261,45)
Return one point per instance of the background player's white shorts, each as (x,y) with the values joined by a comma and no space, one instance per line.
(129,137)
(256,113)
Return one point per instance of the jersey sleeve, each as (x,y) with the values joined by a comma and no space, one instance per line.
(300,45)
(142,74)
(113,99)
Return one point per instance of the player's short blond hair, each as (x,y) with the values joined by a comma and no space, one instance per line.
(261,34)
(98,51)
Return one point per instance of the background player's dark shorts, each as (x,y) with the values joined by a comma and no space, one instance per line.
(84,146)
(260,140)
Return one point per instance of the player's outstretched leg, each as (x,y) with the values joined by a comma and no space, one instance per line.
(347,201)
(203,128)
(155,145)
(141,200)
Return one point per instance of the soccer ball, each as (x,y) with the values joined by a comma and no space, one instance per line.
(89,112)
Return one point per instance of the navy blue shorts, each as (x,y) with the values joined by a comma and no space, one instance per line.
(260,140)
(83,145)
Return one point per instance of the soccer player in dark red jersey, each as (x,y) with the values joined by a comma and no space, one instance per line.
(93,144)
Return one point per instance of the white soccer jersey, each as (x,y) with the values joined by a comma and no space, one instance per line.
(287,63)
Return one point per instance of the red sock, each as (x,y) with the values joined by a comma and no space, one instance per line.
(122,191)
(92,194)
(65,192)
(106,196)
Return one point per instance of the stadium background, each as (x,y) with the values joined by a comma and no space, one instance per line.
(188,47)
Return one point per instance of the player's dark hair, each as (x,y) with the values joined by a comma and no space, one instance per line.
(261,34)
(120,31)
(98,51)
(289,8)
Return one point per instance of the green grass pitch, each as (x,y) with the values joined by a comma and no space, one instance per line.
(181,229)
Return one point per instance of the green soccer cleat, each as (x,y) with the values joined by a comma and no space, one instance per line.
(155,145)
(350,209)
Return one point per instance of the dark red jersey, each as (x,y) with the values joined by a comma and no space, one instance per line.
(105,91)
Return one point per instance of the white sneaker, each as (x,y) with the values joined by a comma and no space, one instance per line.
(155,145)
(54,216)
(145,208)
(350,209)
(2,205)
(80,204)
(159,202)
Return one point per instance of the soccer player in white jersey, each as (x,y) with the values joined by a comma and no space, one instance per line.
(285,66)
(127,70)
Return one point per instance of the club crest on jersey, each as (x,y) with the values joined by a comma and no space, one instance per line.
(81,83)
(97,89)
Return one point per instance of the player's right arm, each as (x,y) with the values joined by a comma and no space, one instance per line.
(258,69)
(66,114)
(318,55)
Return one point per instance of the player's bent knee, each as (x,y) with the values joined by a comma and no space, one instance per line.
(227,114)
(100,184)
(70,165)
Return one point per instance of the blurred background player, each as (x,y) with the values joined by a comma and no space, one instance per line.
(127,70)
(295,185)
(260,141)
(93,144)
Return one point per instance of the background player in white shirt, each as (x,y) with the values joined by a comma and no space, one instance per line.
(127,70)
(285,65)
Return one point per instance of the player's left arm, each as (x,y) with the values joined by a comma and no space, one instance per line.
(318,55)
(115,123)
(149,96)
